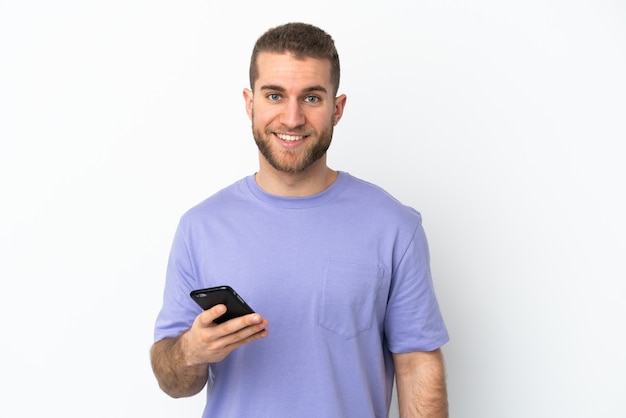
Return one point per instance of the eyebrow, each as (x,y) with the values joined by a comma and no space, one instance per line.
(282,89)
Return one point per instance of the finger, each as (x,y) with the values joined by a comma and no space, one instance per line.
(207,317)
(237,324)
(242,333)
(246,336)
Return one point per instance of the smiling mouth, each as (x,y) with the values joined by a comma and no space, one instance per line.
(290,138)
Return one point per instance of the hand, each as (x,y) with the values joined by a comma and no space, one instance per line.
(208,342)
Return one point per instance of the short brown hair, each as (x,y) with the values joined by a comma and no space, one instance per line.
(302,40)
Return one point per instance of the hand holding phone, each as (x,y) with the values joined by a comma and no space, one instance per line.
(226,295)
(201,337)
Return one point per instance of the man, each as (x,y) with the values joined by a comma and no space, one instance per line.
(336,269)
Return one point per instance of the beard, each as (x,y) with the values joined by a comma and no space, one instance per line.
(292,161)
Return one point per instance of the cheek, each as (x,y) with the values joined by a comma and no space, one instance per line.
(260,116)
(322,120)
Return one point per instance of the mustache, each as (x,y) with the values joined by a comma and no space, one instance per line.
(296,131)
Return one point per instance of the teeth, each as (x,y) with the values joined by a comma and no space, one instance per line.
(290,138)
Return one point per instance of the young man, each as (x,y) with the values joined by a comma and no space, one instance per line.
(336,269)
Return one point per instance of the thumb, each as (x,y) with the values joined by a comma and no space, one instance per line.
(207,317)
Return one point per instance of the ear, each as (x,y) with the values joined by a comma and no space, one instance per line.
(340,104)
(248,97)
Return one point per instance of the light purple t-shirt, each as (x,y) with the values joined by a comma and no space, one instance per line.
(343,278)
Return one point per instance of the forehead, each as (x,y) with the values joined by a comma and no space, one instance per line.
(288,71)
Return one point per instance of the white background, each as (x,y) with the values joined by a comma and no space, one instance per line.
(502,122)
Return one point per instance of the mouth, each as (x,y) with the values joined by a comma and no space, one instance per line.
(290,138)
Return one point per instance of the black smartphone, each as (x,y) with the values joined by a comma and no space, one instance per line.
(226,295)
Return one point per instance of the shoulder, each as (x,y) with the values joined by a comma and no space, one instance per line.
(221,201)
(376,200)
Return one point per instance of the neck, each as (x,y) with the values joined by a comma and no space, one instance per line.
(315,179)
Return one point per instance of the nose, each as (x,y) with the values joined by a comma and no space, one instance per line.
(292,115)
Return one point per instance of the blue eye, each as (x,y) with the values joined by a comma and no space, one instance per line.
(273,96)
(312,99)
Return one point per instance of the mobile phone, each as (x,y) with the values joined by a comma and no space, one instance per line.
(226,295)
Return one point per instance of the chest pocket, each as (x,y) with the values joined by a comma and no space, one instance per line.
(348,298)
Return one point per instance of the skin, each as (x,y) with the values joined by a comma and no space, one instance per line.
(181,364)
(421,384)
(293,115)
(293,97)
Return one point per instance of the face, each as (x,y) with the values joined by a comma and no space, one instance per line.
(293,111)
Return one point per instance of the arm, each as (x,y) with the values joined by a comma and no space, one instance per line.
(175,377)
(421,384)
(181,364)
